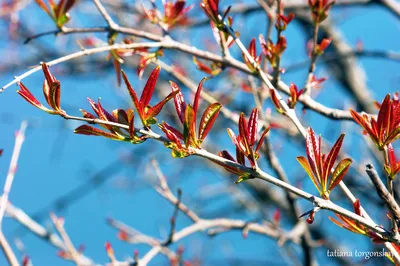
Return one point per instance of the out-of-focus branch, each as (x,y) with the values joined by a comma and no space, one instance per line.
(5,246)
(383,192)
(19,139)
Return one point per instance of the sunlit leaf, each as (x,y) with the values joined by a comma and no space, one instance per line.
(149,87)
(155,110)
(179,101)
(197,96)
(208,119)
(92,131)
(339,173)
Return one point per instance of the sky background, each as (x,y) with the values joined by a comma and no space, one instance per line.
(55,162)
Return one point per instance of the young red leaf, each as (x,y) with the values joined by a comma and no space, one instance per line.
(149,87)
(155,110)
(261,141)
(131,120)
(28,96)
(103,114)
(240,156)
(225,154)
(313,152)
(197,96)
(55,95)
(252,127)
(275,101)
(86,114)
(120,116)
(117,68)
(339,172)
(46,71)
(203,67)
(189,131)
(208,119)
(331,158)
(179,101)
(252,48)
(306,166)
(173,130)
(134,97)
(92,131)
(384,116)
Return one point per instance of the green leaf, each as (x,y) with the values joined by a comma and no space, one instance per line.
(243,178)
(340,171)
(62,20)
(207,120)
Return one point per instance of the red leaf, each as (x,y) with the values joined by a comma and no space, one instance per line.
(49,77)
(239,156)
(134,97)
(306,166)
(339,173)
(313,152)
(54,95)
(275,101)
(252,48)
(357,207)
(392,156)
(260,142)
(155,110)
(331,158)
(92,131)
(149,87)
(179,101)
(243,132)
(131,120)
(208,119)
(189,132)
(173,130)
(28,96)
(384,117)
(117,67)
(86,114)
(203,67)
(225,154)
(252,127)
(197,96)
